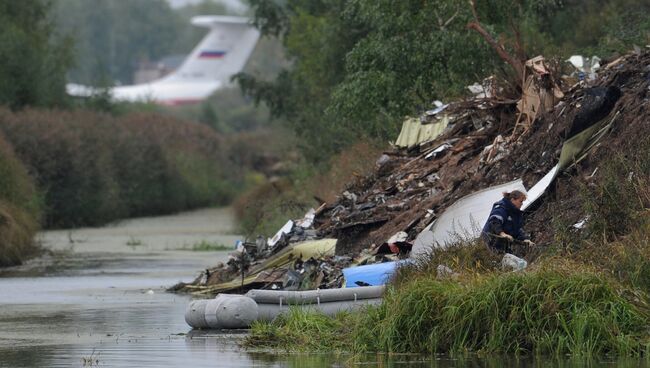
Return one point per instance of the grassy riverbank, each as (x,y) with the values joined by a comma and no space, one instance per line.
(547,311)
(590,301)
(585,292)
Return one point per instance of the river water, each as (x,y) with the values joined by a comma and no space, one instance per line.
(99,300)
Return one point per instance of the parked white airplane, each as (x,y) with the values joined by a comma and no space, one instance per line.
(220,54)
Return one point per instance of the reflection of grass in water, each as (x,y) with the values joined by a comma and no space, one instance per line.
(91,360)
(206,246)
(134,242)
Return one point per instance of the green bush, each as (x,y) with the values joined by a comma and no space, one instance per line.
(19,209)
(93,168)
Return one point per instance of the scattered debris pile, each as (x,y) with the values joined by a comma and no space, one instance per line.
(486,140)
(478,150)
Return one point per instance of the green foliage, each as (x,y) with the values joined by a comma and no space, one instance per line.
(543,312)
(613,205)
(358,67)
(94,168)
(405,60)
(34,61)
(112,37)
(599,27)
(266,207)
(316,44)
(464,256)
(296,331)
(226,111)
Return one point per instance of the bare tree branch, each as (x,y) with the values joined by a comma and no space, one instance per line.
(515,63)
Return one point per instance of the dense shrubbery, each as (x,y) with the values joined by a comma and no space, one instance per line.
(19,208)
(94,168)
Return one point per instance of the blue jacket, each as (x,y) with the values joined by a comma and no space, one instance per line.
(507,218)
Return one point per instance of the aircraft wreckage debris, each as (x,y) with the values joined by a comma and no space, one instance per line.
(487,140)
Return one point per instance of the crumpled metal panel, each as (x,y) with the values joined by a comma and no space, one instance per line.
(414,132)
(305,250)
(466,217)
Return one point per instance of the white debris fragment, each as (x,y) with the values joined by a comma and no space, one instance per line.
(512,262)
(581,224)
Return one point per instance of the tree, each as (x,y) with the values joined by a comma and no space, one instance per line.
(34,62)
(358,66)
(113,37)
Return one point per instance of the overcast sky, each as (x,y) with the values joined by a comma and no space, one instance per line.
(233,4)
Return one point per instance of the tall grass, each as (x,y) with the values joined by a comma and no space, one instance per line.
(616,204)
(545,312)
(301,330)
(551,312)
(93,168)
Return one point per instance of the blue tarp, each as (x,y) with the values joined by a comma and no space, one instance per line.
(371,275)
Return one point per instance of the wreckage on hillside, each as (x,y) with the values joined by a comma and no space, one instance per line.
(437,184)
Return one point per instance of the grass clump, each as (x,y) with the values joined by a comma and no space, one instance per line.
(206,246)
(303,330)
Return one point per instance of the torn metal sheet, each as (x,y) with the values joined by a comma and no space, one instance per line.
(581,224)
(414,132)
(573,150)
(464,219)
(495,151)
(307,220)
(423,242)
(271,276)
(284,230)
(443,147)
(586,67)
(437,110)
(398,237)
(540,188)
(305,250)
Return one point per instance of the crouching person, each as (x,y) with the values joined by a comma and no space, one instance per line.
(505,224)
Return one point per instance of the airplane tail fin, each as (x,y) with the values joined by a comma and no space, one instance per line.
(222,53)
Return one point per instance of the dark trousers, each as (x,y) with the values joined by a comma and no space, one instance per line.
(496,244)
